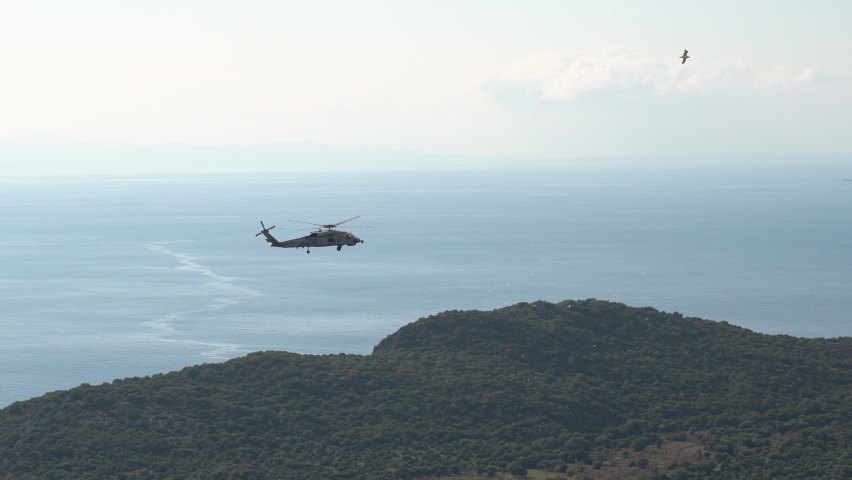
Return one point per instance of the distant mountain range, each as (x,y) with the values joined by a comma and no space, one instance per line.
(42,154)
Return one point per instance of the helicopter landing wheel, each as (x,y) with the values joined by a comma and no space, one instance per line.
(339,247)
(309,251)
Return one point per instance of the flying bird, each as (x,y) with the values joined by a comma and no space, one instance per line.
(684,56)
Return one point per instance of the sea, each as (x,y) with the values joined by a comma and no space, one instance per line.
(106,277)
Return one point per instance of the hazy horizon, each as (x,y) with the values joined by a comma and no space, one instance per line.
(41,154)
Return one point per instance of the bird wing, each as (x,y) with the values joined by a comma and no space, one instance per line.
(685,52)
(684,61)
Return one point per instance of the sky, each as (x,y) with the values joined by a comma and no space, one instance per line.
(547,79)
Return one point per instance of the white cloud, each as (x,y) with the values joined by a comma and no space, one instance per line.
(563,76)
(781,78)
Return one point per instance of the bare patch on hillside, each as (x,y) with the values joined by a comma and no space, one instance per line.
(682,451)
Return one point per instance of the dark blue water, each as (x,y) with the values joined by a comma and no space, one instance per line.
(104,278)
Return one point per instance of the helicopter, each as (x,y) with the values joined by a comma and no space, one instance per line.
(323,236)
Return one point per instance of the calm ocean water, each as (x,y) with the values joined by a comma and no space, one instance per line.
(110,277)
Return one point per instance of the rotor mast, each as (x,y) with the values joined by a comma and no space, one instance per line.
(330,226)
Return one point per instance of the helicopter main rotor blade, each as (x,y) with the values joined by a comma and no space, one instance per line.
(320,229)
(341,223)
(309,223)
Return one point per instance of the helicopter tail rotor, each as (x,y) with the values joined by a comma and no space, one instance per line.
(265,233)
(265,230)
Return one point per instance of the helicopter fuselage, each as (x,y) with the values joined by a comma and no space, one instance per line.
(325,238)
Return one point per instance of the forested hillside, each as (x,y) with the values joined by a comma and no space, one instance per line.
(586,388)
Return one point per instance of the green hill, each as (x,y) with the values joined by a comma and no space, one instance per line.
(579,388)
